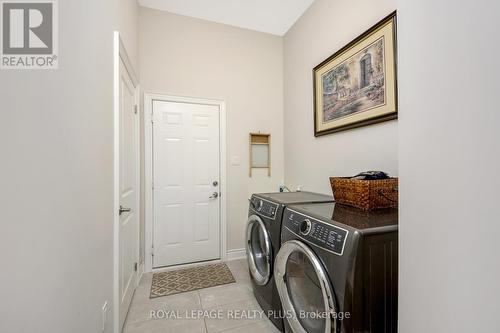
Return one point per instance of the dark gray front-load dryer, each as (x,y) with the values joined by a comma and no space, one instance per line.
(263,242)
(337,269)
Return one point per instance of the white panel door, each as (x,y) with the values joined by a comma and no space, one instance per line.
(129,192)
(186,183)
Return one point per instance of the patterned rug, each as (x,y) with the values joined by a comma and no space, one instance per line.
(189,279)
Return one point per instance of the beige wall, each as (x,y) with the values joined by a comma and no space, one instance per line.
(449,148)
(325,28)
(190,57)
(56,137)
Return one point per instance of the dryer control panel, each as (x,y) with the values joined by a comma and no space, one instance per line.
(264,207)
(319,233)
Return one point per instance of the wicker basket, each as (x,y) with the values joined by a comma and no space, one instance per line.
(365,194)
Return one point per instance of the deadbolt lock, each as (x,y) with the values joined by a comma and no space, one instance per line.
(215,183)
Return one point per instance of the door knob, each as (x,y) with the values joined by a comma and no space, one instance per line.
(123,210)
(214,195)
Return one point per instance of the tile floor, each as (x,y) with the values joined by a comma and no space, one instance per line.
(223,302)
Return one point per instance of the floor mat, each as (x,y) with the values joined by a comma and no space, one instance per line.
(189,279)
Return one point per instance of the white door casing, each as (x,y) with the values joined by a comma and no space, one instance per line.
(186,178)
(148,169)
(129,193)
(126,185)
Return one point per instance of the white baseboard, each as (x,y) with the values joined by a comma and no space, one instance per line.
(183,266)
(236,254)
(140,273)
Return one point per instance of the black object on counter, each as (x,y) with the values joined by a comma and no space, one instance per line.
(371,175)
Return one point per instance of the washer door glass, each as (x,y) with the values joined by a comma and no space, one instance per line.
(258,250)
(304,289)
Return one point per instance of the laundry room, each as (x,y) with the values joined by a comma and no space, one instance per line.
(272,145)
(223,166)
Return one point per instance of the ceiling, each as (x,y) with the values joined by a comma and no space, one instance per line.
(271,16)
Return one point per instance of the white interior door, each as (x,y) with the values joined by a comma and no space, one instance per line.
(186,183)
(129,193)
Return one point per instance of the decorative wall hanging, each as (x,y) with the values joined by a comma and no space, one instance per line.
(260,152)
(357,86)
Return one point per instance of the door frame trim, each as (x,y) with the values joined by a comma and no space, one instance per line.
(148,170)
(120,56)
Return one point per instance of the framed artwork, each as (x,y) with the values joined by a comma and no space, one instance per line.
(357,85)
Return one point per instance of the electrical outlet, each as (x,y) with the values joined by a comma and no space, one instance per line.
(104,315)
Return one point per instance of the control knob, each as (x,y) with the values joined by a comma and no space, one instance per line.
(305,227)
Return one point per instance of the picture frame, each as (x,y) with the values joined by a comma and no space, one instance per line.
(357,85)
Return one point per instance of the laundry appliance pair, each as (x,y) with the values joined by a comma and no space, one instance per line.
(263,241)
(328,268)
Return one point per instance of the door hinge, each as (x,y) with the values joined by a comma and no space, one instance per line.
(135,109)
(153,185)
(135,267)
(152,251)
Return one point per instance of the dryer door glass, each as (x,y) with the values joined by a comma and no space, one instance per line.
(305,292)
(258,250)
(304,289)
